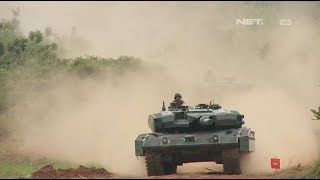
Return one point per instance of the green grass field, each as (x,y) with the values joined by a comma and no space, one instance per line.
(20,166)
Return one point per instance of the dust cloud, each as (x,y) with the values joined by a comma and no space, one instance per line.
(269,73)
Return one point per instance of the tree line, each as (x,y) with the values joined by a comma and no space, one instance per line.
(34,60)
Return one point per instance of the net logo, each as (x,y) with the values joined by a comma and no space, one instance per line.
(249,22)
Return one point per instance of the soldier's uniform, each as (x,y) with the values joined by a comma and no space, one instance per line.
(178,99)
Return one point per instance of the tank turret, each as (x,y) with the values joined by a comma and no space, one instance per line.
(202,117)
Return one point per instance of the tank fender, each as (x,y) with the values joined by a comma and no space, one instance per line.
(247,140)
(139,142)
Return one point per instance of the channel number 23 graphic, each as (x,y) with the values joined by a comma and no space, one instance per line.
(285,22)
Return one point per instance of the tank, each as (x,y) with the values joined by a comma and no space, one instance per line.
(185,134)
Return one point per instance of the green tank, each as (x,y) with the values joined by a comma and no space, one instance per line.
(204,133)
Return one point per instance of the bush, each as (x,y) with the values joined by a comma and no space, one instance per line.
(36,36)
(312,173)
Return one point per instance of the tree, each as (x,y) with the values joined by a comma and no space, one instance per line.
(16,12)
(17,45)
(36,36)
(1,48)
(48,31)
(316,113)
(54,46)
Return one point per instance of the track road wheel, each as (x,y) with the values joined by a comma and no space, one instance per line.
(231,161)
(170,168)
(155,166)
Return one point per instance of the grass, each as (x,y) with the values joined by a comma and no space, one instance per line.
(19,166)
(10,170)
(64,164)
(14,164)
(93,164)
(313,172)
(67,164)
(299,172)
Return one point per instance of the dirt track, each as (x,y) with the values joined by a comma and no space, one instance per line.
(93,173)
(79,173)
(206,176)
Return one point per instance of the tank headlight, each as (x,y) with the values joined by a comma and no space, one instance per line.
(215,138)
(164,140)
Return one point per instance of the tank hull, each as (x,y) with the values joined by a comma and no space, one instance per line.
(196,147)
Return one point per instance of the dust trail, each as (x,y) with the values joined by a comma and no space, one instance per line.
(269,73)
(281,132)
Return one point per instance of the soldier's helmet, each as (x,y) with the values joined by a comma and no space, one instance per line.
(177,95)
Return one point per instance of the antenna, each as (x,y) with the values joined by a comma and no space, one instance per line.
(163,106)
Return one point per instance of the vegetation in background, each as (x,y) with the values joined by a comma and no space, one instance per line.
(29,64)
(316,113)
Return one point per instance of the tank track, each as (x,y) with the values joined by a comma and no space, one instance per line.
(170,168)
(156,166)
(231,160)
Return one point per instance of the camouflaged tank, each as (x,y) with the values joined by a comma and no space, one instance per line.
(183,134)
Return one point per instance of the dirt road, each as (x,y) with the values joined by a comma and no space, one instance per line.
(205,176)
(100,173)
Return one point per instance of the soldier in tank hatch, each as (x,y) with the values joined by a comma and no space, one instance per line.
(178,99)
